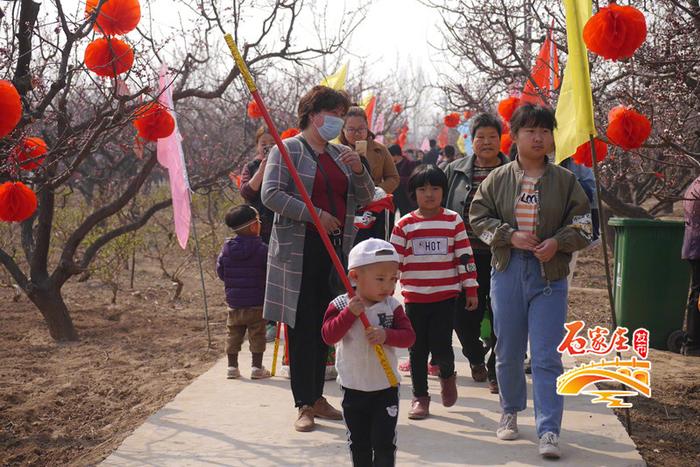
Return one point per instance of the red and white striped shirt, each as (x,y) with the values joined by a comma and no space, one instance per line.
(435,258)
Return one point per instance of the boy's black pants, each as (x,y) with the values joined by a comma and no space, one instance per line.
(432,323)
(371,418)
(693,318)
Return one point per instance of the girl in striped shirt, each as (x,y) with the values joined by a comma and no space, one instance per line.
(436,264)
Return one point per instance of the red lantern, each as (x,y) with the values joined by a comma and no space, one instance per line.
(116,17)
(584,156)
(507,106)
(10,108)
(254,110)
(396,108)
(17,202)
(615,32)
(30,149)
(451,120)
(468,114)
(627,128)
(108,57)
(153,121)
(289,132)
(506,142)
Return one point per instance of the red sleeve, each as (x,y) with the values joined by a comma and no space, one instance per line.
(336,324)
(401,334)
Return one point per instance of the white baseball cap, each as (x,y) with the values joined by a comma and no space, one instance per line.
(371,251)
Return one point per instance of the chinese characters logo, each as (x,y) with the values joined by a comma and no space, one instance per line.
(634,373)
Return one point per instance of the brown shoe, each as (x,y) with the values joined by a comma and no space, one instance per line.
(322,409)
(448,390)
(479,372)
(493,386)
(420,408)
(305,422)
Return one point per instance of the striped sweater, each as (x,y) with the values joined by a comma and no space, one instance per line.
(436,259)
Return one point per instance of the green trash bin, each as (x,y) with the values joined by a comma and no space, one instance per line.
(651,280)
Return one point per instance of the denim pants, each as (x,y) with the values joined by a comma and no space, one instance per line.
(523,301)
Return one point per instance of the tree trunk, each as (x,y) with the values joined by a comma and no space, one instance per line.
(55,312)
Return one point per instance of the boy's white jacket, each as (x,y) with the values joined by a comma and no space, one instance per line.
(357,363)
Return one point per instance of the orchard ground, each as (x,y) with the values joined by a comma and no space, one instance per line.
(75,403)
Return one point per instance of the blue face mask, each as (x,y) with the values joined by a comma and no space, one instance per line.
(331,127)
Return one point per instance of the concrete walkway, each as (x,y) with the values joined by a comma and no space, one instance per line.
(221,422)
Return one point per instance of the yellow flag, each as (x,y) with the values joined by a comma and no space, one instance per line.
(575,106)
(460,144)
(336,80)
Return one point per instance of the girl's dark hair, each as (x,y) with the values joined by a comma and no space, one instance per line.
(318,99)
(395,150)
(486,120)
(532,116)
(427,174)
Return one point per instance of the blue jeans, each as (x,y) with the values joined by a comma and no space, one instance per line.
(523,300)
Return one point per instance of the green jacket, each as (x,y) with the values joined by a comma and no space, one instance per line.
(563,213)
(459,181)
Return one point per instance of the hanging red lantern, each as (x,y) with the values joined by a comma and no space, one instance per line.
(30,149)
(627,128)
(108,57)
(289,132)
(615,32)
(10,108)
(153,121)
(17,202)
(254,110)
(397,108)
(507,106)
(452,120)
(584,156)
(116,17)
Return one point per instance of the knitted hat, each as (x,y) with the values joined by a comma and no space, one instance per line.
(241,217)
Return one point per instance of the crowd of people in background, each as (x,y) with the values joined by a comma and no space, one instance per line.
(480,237)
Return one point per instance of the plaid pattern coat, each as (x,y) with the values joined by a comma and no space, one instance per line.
(286,251)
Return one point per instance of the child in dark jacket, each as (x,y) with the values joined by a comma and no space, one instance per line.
(241,265)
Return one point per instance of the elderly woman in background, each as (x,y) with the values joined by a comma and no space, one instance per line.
(377,159)
(298,287)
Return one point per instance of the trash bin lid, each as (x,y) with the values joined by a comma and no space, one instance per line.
(648,223)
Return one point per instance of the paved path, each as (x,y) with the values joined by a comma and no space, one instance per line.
(220,422)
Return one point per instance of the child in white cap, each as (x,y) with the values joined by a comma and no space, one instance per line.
(370,404)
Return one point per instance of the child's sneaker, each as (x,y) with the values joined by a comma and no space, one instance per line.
(549,446)
(420,408)
(433,370)
(260,373)
(405,367)
(508,428)
(233,373)
(285,372)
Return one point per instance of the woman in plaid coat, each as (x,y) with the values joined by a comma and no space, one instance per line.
(298,288)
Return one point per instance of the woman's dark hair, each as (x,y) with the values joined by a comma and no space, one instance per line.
(395,150)
(427,174)
(532,116)
(318,99)
(486,120)
(449,150)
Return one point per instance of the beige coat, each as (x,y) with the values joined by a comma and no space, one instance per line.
(382,167)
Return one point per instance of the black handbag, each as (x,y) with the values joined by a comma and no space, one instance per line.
(335,283)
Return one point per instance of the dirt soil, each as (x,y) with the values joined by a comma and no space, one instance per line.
(73,404)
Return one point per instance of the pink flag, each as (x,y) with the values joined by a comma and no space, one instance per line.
(171,157)
(425,145)
(378,128)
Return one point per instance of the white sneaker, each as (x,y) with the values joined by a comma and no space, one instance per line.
(508,428)
(232,373)
(331,372)
(549,446)
(260,373)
